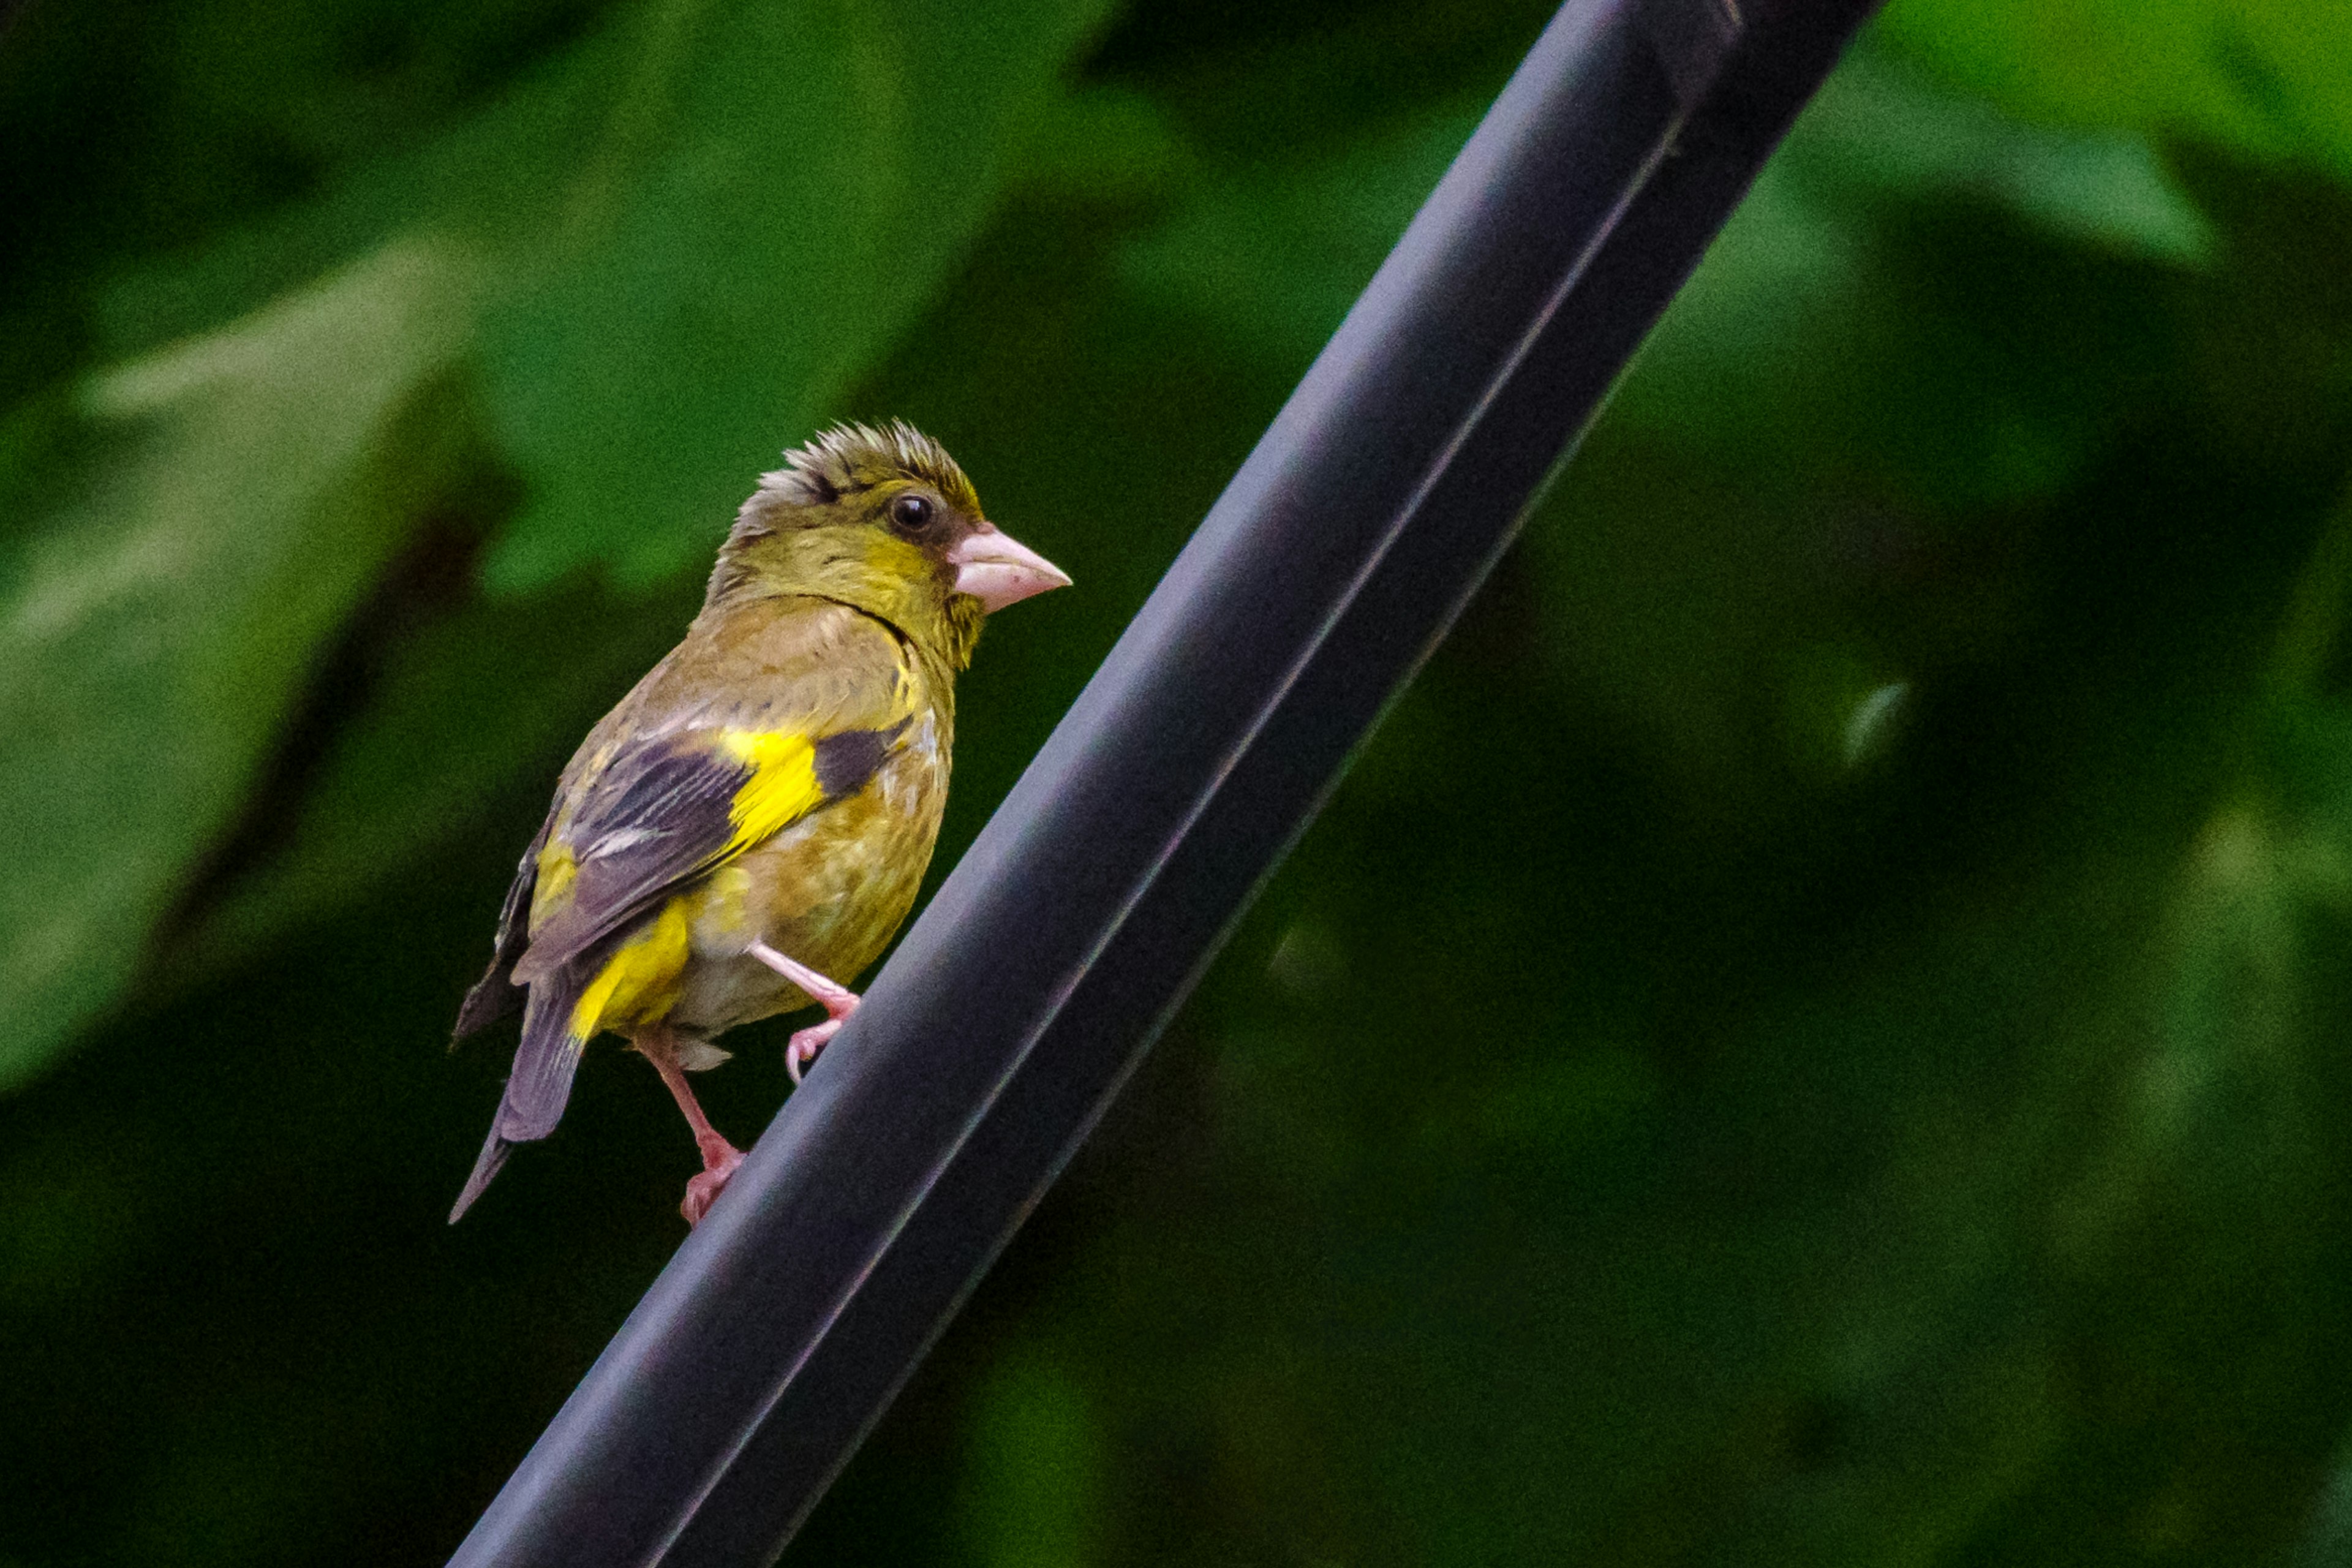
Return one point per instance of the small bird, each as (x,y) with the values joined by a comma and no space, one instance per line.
(745,831)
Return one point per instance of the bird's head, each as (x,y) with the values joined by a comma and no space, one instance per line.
(886,521)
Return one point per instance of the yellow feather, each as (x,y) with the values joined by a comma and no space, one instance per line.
(782,788)
(557,867)
(638,984)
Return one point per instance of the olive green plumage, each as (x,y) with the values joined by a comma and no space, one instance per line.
(777,778)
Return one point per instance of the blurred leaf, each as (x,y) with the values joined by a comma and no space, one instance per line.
(156,625)
(495,177)
(1921,299)
(2327,1541)
(338,83)
(1278,255)
(134,141)
(2269,78)
(1100,144)
(1878,124)
(1036,1485)
(470,707)
(781,189)
(1803,337)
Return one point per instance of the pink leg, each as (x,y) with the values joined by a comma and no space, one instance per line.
(719,1157)
(838,1002)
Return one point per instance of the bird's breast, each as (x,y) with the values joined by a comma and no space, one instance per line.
(830,891)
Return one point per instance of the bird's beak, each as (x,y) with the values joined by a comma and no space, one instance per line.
(998,569)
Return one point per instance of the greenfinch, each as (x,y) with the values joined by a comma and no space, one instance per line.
(745,831)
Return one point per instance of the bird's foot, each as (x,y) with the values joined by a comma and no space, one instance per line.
(838,1000)
(663,1048)
(807,1043)
(704,1190)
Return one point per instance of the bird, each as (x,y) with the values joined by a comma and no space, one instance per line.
(745,831)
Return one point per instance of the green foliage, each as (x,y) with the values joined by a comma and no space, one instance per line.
(2267,78)
(1814,1032)
(241,491)
(1033,1453)
(779,189)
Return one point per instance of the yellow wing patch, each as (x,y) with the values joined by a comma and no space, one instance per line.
(782,788)
(557,868)
(638,984)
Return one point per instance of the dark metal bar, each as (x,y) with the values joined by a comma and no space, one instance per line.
(1028,990)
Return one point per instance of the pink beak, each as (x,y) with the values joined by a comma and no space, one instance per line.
(998,569)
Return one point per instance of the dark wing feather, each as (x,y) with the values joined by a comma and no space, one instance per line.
(657,814)
(664,811)
(653,802)
(495,994)
(541,1084)
(845,762)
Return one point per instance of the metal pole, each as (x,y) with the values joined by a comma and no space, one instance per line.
(1056,950)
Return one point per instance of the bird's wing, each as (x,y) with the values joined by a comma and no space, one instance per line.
(495,994)
(677,796)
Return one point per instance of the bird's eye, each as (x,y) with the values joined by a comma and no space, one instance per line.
(912,514)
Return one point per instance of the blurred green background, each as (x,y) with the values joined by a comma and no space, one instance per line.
(1819,1031)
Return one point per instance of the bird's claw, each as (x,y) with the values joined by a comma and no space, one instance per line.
(806,1044)
(704,1190)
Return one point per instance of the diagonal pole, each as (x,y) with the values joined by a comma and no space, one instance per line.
(1023,995)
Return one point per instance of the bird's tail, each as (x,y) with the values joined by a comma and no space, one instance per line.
(542,1081)
(493,1156)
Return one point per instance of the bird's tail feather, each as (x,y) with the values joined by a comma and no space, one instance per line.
(493,1156)
(542,1081)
